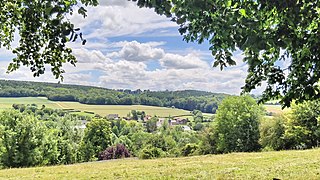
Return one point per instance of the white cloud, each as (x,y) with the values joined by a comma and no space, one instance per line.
(135,51)
(88,56)
(122,3)
(175,61)
(126,18)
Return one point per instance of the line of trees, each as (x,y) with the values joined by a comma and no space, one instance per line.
(188,99)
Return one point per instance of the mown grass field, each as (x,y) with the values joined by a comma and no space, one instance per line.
(102,110)
(266,165)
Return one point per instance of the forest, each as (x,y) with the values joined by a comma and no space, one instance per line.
(206,102)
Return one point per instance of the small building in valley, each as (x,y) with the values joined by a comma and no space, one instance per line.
(180,121)
(186,128)
(113,116)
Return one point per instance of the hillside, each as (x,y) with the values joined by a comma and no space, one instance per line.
(188,99)
(266,165)
(103,110)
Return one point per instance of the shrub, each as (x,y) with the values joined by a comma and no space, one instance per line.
(272,133)
(189,149)
(150,152)
(114,152)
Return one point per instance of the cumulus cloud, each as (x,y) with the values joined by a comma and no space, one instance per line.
(126,18)
(176,61)
(135,51)
(88,56)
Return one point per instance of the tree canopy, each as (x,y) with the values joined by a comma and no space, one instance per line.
(268,32)
(44,30)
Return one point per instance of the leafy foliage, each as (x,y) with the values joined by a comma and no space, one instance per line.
(304,126)
(272,133)
(44,29)
(21,140)
(114,152)
(29,139)
(97,137)
(237,125)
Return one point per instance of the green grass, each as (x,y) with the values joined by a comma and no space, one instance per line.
(102,110)
(266,165)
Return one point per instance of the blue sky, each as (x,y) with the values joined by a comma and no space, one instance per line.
(133,48)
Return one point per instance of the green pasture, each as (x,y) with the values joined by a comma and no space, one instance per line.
(302,164)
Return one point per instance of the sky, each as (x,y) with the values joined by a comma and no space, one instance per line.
(133,48)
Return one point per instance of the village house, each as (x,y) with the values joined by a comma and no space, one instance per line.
(180,121)
(147,118)
(160,122)
(83,124)
(186,128)
(113,116)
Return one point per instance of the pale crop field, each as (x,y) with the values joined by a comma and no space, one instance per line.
(303,164)
(276,109)
(6,103)
(102,110)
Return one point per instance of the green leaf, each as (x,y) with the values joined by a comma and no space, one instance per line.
(243,12)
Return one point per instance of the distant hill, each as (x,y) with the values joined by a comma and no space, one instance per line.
(185,99)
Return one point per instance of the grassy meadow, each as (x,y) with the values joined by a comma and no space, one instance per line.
(302,164)
(102,110)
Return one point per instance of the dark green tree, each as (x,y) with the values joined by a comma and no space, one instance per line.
(151,125)
(197,116)
(97,137)
(134,115)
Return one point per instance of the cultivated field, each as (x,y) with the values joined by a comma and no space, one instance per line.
(266,165)
(275,109)
(102,110)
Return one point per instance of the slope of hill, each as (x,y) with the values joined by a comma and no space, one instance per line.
(303,164)
(103,110)
(187,99)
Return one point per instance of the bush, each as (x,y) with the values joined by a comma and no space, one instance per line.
(189,149)
(198,127)
(150,152)
(114,152)
(272,133)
